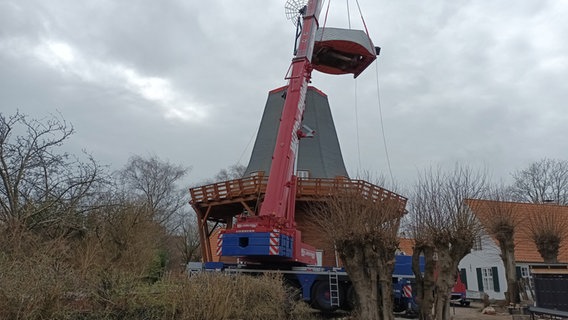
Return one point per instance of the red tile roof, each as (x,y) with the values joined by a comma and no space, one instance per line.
(525,249)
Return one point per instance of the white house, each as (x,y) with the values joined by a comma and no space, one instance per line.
(483,270)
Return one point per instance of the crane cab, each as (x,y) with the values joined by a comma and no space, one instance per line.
(343,51)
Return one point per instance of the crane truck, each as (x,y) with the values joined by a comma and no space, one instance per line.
(264,236)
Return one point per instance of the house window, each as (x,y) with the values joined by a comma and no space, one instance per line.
(524,272)
(303,174)
(488,279)
(477,244)
(487,275)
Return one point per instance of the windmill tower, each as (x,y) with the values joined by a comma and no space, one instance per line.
(319,156)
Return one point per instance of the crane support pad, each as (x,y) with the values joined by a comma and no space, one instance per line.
(257,244)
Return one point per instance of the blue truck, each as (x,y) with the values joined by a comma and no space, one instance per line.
(326,288)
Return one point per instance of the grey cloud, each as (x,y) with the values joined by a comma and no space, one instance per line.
(481,82)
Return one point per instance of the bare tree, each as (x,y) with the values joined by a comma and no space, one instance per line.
(190,247)
(442,223)
(364,231)
(155,182)
(123,235)
(235,171)
(543,181)
(40,186)
(548,229)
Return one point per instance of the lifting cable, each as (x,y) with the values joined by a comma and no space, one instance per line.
(357,131)
(356,104)
(378,99)
(325,20)
(356,101)
(348,14)
(254,133)
(355,91)
(363,20)
(382,124)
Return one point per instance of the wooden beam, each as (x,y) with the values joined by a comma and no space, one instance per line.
(247,208)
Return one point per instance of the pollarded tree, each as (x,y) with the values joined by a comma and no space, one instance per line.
(543,181)
(549,230)
(425,279)
(443,223)
(40,186)
(364,231)
(502,223)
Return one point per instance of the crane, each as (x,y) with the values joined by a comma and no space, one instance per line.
(272,235)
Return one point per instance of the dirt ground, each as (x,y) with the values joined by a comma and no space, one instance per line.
(474,312)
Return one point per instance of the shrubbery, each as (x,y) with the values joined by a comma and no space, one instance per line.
(78,243)
(42,279)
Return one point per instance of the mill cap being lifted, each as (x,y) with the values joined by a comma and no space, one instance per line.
(343,51)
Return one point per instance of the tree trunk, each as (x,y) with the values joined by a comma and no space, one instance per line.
(507,246)
(425,284)
(364,280)
(444,283)
(385,298)
(385,270)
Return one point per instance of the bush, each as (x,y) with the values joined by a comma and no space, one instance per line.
(219,296)
(34,284)
(91,278)
(43,288)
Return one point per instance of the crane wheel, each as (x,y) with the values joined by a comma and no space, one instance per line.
(350,299)
(321,296)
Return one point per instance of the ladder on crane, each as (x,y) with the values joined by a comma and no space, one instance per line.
(333,288)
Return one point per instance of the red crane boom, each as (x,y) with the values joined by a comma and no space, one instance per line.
(272,234)
(281,176)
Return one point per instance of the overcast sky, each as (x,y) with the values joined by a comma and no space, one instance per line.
(481,82)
